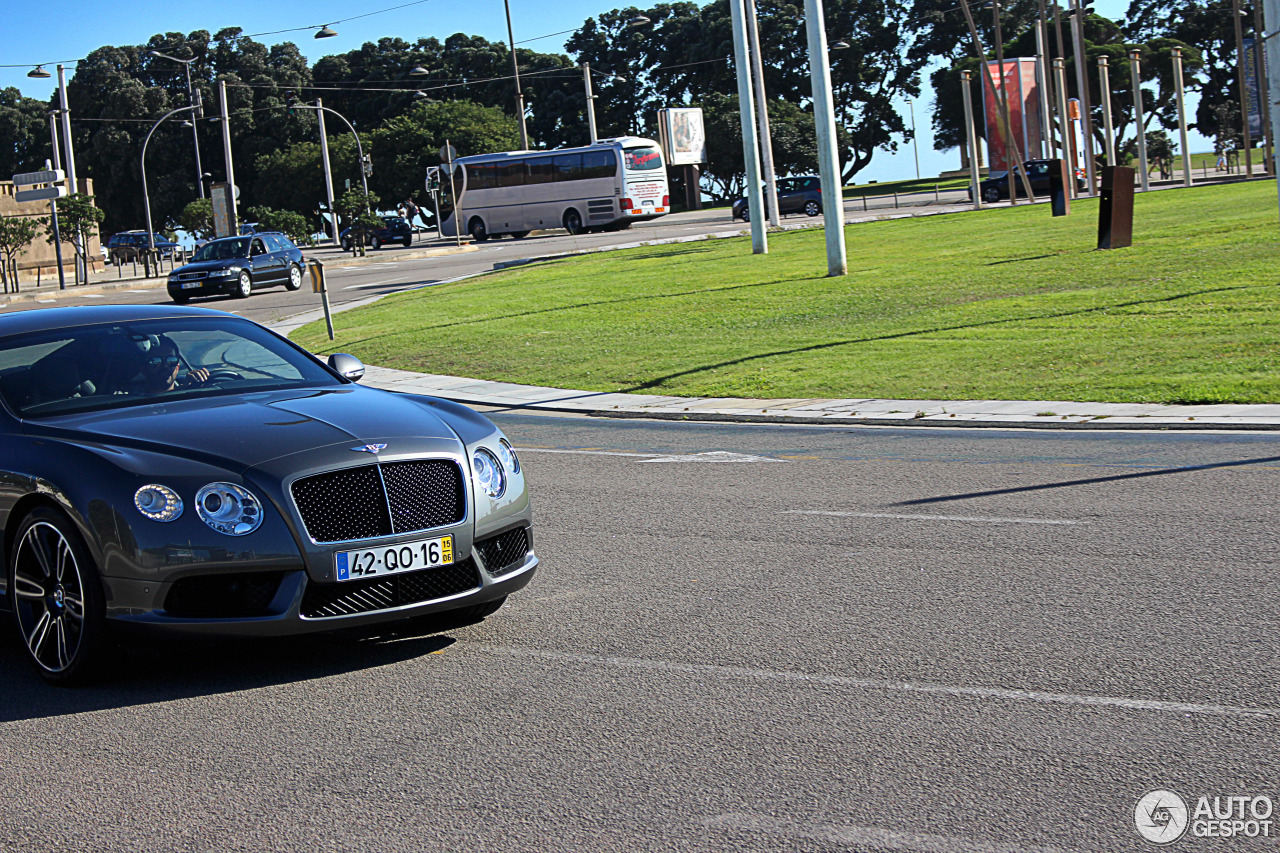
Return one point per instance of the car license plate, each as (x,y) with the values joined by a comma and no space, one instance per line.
(388,560)
(191,285)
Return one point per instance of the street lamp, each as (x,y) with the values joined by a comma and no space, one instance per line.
(326,32)
(193,101)
(146,197)
(38,72)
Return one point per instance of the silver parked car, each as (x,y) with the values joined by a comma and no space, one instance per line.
(186,471)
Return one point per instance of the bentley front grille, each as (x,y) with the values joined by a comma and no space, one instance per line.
(505,551)
(327,600)
(382,499)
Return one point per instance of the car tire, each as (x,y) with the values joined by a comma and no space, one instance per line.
(408,241)
(572,222)
(295,278)
(812,208)
(346,245)
(477,230)
(991,194)
(244,285)
(746,214)
(60,610)
(480,611)
(375,242)
(180,298)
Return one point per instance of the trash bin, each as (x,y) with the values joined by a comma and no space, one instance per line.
(1115,208)
(1060,187)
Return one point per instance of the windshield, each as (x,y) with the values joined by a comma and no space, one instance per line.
(221,250)
(643,159)
(88,368)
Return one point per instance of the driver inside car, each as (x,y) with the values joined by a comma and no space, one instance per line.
(160,365)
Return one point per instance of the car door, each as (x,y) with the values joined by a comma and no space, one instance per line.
(265,269)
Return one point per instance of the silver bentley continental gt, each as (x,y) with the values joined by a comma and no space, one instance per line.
(188,471)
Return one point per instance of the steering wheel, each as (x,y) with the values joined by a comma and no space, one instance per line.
(222,373)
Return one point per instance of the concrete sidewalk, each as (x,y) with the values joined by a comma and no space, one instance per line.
(1042,414)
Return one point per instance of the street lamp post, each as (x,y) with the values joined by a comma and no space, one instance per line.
(1182,117)
(1082,83)
(1135,69)
(146,197)
(320,109)
(762,115)
(515,70)
(1244,91)
(591,98)
(193,99)
(1104,83)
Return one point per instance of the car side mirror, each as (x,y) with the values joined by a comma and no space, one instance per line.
(347,366)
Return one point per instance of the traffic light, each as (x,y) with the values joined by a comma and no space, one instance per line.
(367,165)
(290,99)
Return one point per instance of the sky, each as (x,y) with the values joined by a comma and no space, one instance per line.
(28,40)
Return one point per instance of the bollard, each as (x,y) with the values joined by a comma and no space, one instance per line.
(864,203)
(895,199)
(1060,181)
(1115,208)
(318,286)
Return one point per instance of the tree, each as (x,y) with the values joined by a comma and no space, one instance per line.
(197,219)
(16,233)
(78,221)
(293,225)
(24,133)
(356,209)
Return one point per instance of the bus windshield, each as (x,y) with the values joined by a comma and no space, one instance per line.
(643,159)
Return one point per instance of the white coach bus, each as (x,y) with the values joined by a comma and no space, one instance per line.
(603,186)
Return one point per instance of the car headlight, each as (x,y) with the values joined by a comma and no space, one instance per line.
(157,502)
(507,456)
(489,474)
(229,509)
(221,273)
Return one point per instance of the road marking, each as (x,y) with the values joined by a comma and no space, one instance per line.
(137,291)
(866,836)
(46,301)
(906,517)
(709,456)
(92,296)
(917,687)
(370,284)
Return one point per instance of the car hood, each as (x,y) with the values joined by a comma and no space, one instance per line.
(252,430)
(204,266)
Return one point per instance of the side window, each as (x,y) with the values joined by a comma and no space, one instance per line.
(511,173)
(257,247)
(480,176)
(599,164)
(568,167)
(541,171)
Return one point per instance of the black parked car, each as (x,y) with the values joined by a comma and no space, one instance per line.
(996,185)
(236,265)
(187,472)
(795,195)
(130,245)
(394,229)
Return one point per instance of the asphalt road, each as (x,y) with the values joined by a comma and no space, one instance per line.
(741,638)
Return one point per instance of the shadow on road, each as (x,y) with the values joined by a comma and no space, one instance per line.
(145,670)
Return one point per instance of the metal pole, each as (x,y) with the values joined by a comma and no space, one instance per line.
(1086,110)
(762,115)
(1104,82)
(1003,96)
(1182,117)
(1264,89)
(746,107)
(591,105)
(457,202)
(146,198)
(1135,70)
(1068,147)
(515,70)
(824,119)
(966,78)
(73,186)
(328,172)
(1244,92)
(57,164)
(195,134)
(1045,95)
(1272,47)
(915,143)
(226,147)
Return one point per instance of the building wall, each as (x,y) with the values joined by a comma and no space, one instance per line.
(39,257)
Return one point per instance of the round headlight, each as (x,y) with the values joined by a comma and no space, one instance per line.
(489,474)
(158,503)
(229,509)
(507,456)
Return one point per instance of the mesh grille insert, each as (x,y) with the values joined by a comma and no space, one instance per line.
(324,600)
(504,551)
(351,504)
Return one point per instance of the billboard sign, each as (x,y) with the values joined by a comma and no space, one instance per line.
(683,136)
(1251,89)
(1018,81)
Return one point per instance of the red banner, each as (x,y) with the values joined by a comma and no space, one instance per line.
(1019,83)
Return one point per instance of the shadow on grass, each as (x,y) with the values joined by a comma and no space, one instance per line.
(1018,260)
(1088,482)
(661,380)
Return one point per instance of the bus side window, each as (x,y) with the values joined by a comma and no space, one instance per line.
(599,164)
(510,173)
(568,167)
(541,171)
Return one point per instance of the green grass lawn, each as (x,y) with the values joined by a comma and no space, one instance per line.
(1001,304)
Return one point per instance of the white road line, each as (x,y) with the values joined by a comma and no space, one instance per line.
(994,693)
(92,296)
(137,291)
(585,452)
(46,301)
(866,836)
(369,284)
(907,517)
(709,456)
